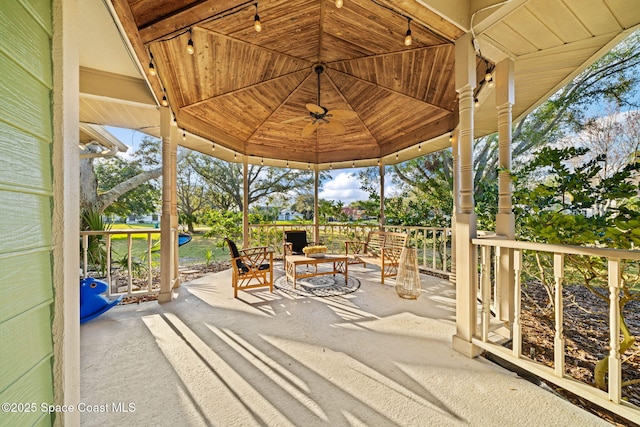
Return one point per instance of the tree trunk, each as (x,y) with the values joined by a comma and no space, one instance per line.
(88,186)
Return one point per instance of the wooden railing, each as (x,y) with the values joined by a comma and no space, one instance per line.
(433,244)
(487,340)
(127,270)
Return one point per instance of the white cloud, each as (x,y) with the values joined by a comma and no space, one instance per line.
(344,186)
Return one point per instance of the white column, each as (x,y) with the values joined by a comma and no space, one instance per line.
(505,219)
(316,200)
(167,234)
(245,202)
(382,217)
(465,225)
(456,194)
(173,185)
(66,211)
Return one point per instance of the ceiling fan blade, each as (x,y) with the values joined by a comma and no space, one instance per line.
(342,114)
(334,126)
(296,119)
(315,108)
(308,129)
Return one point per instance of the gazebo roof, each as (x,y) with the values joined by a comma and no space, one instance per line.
(239,85)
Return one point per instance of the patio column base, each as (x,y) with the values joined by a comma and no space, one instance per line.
(166,297)
(465,347)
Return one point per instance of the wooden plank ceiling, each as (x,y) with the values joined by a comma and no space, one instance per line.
(240,85)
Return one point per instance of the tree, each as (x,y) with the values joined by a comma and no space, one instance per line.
(105,181)
(192,195)
(226,181)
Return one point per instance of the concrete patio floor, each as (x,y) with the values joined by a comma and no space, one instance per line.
(368,358)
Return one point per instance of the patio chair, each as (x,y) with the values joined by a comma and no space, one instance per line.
(251,267)
(295,241)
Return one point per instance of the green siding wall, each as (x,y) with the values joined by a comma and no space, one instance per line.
(26,198)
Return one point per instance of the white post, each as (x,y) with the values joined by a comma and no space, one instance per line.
(166,231)
(173,185)
(615,364)
(245,202)
(465,226)
(558,339)
(505,219)
(65,210)
(456,193)
(382,217)
(316,223)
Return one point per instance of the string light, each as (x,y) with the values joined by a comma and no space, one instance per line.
(408,39)
(235,156)
(476,103)
(488,77)
(339,3)
(287,163)
(262,162)
(165,102)
(213,147)
(308,166)
(419,147)
(451,137)
(152,69)
(190,48)
(256,21)
(330,166)
(378,162)
(353,164)
(184,135)
(396,156)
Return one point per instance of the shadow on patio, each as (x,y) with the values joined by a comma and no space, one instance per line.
(365,358)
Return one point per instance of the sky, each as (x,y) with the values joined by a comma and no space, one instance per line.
(344,185)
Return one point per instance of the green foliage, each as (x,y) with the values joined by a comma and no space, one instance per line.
(141,200)
(226,224)
(93,220)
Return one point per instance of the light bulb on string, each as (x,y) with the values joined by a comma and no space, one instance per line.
(190,49)
(476,103)
(152,69)
(165,102)
(213,147)
(256,21)
(235,156)
(339,3)
(407,38)
(184,135)
(262,162)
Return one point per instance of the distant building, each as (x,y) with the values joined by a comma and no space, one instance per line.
(352,213)
(289,215)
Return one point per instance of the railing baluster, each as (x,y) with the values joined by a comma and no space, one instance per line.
(85,255)
(149,263)
(517,326)
(433,251)
(485,290)
(108,239)
(558,340)
(130,282)
(615,364)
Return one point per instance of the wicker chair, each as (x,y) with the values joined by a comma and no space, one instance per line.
(251,267)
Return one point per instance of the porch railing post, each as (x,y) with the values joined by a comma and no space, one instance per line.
(505,219)
(465,225)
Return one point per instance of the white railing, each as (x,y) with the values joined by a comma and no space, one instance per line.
(616,259)
(134,271)
(433,244)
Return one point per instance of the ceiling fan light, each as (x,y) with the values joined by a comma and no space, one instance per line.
(339,3)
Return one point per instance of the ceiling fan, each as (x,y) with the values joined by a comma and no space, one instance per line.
(319,115)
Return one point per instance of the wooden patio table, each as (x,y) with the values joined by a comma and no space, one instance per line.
(291,263)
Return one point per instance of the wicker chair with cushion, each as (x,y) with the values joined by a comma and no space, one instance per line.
(295,241)
(251,267)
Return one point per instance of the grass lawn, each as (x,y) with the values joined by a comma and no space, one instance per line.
(194,252)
